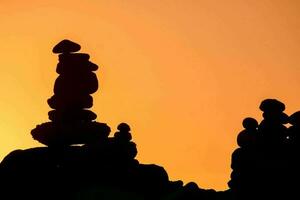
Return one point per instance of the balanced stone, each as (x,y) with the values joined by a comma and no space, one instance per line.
(70,102)
(281,118)
(123,134)
(73,58)
(66,46)
(86,83)
(123,127)
(250,123)
(65,68)
(247,138)
(55,134)
(271,105)
(71,115)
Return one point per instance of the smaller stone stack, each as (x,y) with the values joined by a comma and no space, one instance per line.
(243,176)
(122,143)
(72,122)
(272,129)
(273,159)
(248,138)
(123,135)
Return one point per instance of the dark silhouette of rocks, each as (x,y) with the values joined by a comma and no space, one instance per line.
(71,122)
(81,161)
(123,135)
(264,165)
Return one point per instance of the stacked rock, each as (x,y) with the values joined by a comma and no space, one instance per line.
(123,135)
(72,122)
(244,159)
(122,141)
(260,164)
(248,138)
(272,160)
(272,127)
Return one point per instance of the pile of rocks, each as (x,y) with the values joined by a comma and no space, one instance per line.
(121,142)
(244,158)
(272,128)
(80,160)
(72,122)
(261,166)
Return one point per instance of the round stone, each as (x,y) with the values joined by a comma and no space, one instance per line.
(247,138)
(250,123)
(272,105)
(85,83)
(123,127)
(123,136)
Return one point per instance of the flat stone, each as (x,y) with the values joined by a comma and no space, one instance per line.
(68,102)
(71,115)
(66,46)
(73,58)
(54,134)
(75,67)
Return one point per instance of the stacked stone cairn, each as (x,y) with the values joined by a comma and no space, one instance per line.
(243,158)
(71,121)
(262,165)
(122,139)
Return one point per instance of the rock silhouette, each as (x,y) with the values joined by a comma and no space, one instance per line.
(264,165)
(81,161)
(71,122)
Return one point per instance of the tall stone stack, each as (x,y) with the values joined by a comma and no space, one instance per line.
(244,159)
(71,121)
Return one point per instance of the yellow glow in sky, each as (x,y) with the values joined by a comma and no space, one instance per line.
(182,73)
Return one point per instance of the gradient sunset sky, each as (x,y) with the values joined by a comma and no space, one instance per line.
(182,73)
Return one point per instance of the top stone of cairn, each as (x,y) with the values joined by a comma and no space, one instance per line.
(271,105)
(66,46)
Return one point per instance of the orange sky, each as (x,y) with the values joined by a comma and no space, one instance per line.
(183,73)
